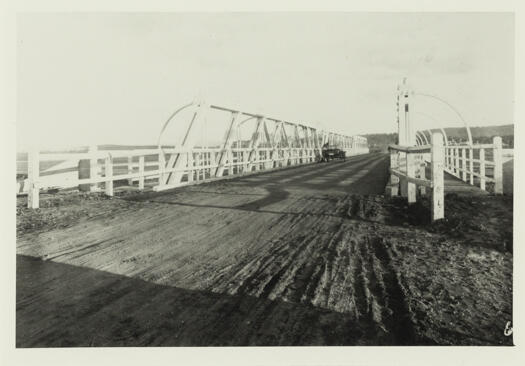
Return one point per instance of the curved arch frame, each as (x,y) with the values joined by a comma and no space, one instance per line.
(424,137)
(165,125)
(467,127)
(302,145)
(430,130)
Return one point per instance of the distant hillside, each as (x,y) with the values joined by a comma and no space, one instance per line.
(480,135)
(380,141)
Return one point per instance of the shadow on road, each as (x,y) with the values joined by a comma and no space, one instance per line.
(89,307)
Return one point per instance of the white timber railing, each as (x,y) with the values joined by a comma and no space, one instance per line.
(270,143)
(477,164)
(98,170)
(473,164)
(251,143)
(407,173)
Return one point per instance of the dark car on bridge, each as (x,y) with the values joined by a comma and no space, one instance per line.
(332,152)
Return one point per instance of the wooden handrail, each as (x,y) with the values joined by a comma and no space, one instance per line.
(410,149)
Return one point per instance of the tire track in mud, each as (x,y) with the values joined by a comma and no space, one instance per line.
(261,274)
(336,264)
(377,295)
(397,315)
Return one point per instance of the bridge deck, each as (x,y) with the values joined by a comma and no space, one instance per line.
(456,185)
(291,257)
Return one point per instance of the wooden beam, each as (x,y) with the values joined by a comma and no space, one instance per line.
(226,148)
(141,172)
(253,151)
(411,173)
(498,166)
(482,181)
(176,160)
(108,164)
(33,174)
(437,209)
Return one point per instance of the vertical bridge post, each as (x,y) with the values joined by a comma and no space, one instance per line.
(498,166)
(93,167)
(141,171)
(437,209)
(109,175)
(411,173)
(482,180)
(394,180)
(33,173)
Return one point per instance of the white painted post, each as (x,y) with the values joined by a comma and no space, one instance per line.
(456,163)
(197,166)
(190,165)
(394,180)
(471,166)
(162,168)
(213,161)
(94,171)
(130,169)
(482,169)
(498,166)
(449,156)
(225,153)
(438,187)
(421,173)
(141,172)
(33,173)
(403,186)
(411,170)
(109,175)
(464,164)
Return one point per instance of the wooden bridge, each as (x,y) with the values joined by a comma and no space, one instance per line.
(274,249)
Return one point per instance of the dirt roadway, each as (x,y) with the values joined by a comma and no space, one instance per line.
(306,256)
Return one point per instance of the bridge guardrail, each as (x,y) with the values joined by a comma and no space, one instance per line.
(407,172)
(475,171)
(136,166)
(407,168)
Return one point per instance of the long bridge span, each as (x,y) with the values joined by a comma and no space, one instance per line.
(302,253)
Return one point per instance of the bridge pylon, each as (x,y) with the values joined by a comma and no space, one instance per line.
(405,130)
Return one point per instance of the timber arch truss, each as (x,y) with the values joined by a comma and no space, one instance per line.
(247,143)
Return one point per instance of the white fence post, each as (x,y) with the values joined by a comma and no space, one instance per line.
(394,180)
(162,168)
(471,166)
(190,165)
(482,169)
(109,175)
(141,172)
(498,166)
(403,186)
(464,164)
(411,170)
(33,173)
(438,187)
(130,169)
(422,173)
(456,162)
(94,170)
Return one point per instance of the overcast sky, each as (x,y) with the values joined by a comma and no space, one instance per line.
(115,78)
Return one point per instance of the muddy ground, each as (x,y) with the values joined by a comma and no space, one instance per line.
(307,256)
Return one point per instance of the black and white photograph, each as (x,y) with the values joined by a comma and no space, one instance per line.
(278,179)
